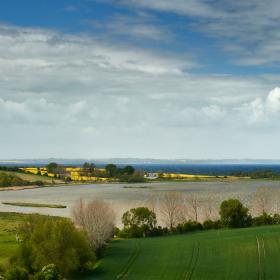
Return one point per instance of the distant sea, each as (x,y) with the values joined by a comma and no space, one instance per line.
(207,169)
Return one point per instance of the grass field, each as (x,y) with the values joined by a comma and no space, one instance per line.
(33,177)
(251,253)
(8,245)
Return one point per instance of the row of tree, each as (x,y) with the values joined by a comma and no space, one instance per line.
(142,221)
(125,174)
(258,174)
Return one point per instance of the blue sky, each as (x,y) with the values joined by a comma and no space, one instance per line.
(164,79)
(96,17)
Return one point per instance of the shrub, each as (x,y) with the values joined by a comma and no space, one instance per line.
(48,272)
(53,240)
(16,273)
(188,226)
(209,224)
(276,219)
(234,214)
(264,219)
(38,183)
(159,231)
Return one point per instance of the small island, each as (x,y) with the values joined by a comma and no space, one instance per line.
(30,204)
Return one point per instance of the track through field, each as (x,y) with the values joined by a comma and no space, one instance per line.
(125,270)
(187,275)
(251,253)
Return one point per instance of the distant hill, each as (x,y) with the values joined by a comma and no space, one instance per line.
(80,161)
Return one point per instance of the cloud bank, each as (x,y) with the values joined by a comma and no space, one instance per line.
(74,96)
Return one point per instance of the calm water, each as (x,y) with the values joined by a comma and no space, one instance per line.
(208,169)
(124,196)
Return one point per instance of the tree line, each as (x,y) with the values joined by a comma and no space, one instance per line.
(142,221)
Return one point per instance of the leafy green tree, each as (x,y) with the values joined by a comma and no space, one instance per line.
(129,170)
(111,170)
(88,168)
(139,221)
(51,167)
(55,168)
(48,240)
(234,214)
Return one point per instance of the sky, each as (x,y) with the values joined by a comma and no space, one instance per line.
(192,79)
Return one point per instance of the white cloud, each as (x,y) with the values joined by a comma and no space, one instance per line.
(249,29)
(273,101)
(70,96)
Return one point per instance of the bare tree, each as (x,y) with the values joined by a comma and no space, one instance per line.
(97,219)
(261,201)
(152,203)
(194,204)
(171,208)
(276,201)
(209,206)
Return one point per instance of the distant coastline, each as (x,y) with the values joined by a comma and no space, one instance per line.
(102,161)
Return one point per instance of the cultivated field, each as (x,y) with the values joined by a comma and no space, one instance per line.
(251,253)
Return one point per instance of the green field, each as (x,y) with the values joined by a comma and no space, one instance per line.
(8,245)
(252,253)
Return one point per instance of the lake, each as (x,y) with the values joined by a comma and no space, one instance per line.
(125,196)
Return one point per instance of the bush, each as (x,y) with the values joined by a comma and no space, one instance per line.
(276,219)
(209,224)
(49,272)
(188,226)
(133,232)
(38,183)
(53,240)
(16,273)
(264,219)
(234,214)
(159,231)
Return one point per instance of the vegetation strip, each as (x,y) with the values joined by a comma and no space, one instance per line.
(27,204)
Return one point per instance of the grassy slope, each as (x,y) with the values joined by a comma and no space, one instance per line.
(223,254)
(33,177)
(8,224)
